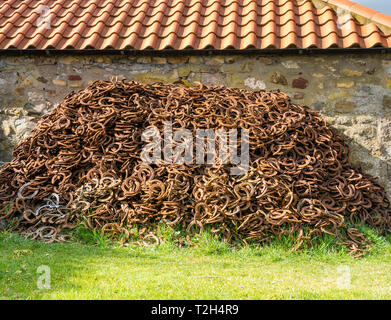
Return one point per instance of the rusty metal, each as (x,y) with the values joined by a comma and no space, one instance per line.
(82,164)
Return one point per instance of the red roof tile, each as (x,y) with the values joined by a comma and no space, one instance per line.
(189,24)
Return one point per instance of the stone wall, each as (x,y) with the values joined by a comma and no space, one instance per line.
(353,92)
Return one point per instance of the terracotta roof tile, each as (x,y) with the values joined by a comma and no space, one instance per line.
(189,24)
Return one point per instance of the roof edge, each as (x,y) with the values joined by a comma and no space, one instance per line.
(363,14)
(287,51)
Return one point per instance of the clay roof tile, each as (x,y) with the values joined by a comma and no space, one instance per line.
(190,24)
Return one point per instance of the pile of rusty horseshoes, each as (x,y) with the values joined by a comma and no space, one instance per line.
(82,164)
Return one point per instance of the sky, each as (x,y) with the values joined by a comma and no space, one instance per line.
(379,5)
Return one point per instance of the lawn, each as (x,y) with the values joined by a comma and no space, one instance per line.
(211,270)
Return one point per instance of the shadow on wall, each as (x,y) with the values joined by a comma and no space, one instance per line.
(368,135)
(13,128)
(378,168)
(5,145)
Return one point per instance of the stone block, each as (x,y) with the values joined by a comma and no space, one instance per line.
(229,60)
(195,59)
(352,73)
(159,60)
(42,79)
(74,77)
(345,106)
(266,61)
(76,84)
(213,79)
(60,83)
(144,60)
(387,102)
(300,83)
(349,84)
(255,84)
(278,78)
(215,61)
(177,59)
(298,95)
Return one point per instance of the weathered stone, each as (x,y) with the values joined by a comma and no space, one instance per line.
(289,64)
(388,68)
(387,102)
(364,165)
(349,84)
(159,60)
(14,111)
(24,126)
(235,80)
(345,106)
(338,94)
(246,67)
(7,127)
(43,61)
(341,120)
(102,59)
(233,68)
(35,96)
(229,60)
(360,62)
(298,95)
(126,59)
(144,60)
(318,105)
(278,78)
(150,77)
(77,84)
(177,59)
(19,91)
(25,82)
(51,93)
(74,77)
(20,60)
(194,76)
(8,78)
(266,61)
(300,83)
(352,73)
(184,70)
(215,61)
(68,59)
(195,59)
(385,131)
(35,108)
(60,83)
(42,79)
(213,79)
(255,84)
(364,119)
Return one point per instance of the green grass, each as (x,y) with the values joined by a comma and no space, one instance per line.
(92,267)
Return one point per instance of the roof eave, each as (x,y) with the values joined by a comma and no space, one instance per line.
(355,50)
